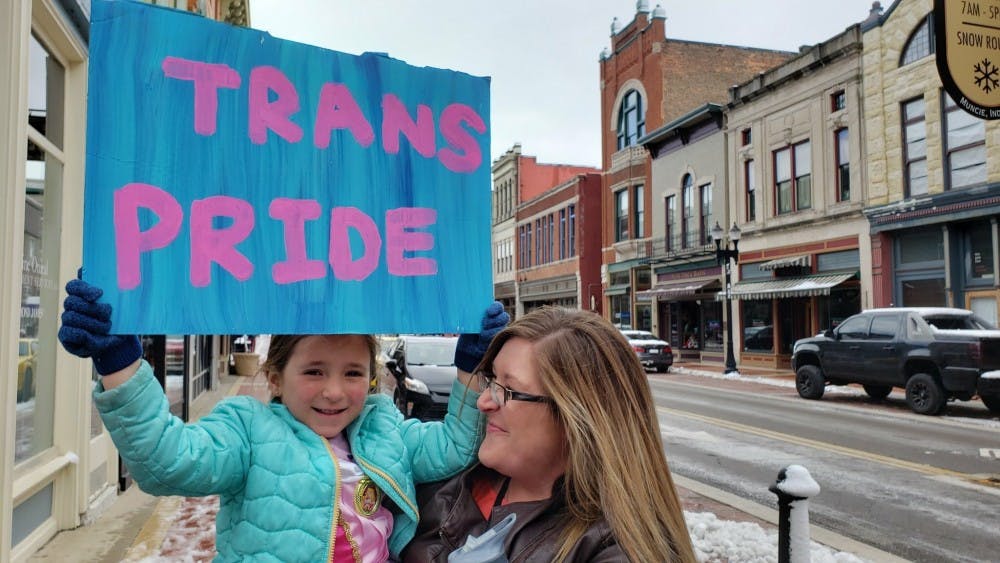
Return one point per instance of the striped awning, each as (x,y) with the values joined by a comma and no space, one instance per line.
(787,262)
(666,291)
(804,286)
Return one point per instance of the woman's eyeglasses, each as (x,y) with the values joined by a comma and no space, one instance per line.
(483,381)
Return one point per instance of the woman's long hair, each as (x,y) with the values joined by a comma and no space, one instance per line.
(616,468)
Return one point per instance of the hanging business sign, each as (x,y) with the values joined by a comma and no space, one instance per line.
(967,35)
(238,183)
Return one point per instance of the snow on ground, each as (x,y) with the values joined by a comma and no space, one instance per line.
(830,390)
(191,539)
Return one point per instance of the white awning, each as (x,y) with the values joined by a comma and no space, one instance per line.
(787,262)
(805,286)
(666,291)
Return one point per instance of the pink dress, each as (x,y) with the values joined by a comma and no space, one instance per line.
(363,524)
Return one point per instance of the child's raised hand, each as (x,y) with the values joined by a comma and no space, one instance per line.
(86,324)
(472,347)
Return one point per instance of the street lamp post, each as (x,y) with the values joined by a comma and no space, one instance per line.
(723,254)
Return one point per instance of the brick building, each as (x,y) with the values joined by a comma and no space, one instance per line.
(647,80)
(518,178)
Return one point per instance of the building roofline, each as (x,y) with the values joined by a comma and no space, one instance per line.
(693,117)
(741,47)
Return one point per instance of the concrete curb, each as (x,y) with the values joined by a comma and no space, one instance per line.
(767,514)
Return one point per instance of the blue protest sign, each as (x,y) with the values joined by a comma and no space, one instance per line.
(238,183)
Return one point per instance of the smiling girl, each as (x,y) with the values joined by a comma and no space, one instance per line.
(325,472)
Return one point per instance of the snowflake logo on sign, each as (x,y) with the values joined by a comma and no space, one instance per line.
(986,75)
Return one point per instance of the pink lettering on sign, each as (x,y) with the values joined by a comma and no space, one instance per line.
(130,240)
(468,157)
(396,120)
(345,266)
(207,78)
(337,109)
(265,114)
(294,213)
(209,244)
(399,238)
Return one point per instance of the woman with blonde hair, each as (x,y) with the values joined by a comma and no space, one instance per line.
(572,450)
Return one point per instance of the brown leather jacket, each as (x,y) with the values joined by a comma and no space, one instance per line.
(448,514)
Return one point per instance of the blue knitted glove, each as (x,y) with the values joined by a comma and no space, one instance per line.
(472,347)
(85,327)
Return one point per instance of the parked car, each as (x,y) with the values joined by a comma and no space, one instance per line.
(27,365)
(424,370)
(653,352)
(935,354)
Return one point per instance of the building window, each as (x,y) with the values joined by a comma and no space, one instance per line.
(35,386)
(746,136)
(521,262)
(915,147)
(621,215)
(965,146)
(750,185)
(793,178)
(550,241)
(838,101)
(920,43)
(639,214)
(979,254)
(631,119)
(688,233)
(572,230)
(671,222)
(706,214)
(562,234)
(527,255)
(842,149)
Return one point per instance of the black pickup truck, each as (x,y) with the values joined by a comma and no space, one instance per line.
(935,354)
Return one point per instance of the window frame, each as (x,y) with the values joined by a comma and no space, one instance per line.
(621,214)
(795,180)
(924,32)
(687,211)
(631,105)
(705,215)
(750,190)
(908,162)
(638,211)
(670,220)
(842,170)
(949,151)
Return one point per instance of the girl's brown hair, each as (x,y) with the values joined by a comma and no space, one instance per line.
(282,345)
(616,467)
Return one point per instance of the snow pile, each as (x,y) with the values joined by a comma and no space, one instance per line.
(722,541)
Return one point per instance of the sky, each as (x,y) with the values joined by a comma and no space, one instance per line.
(542,55)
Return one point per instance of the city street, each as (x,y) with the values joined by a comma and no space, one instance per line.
(923,488)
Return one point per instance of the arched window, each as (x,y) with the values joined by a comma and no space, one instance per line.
(920,43)
(631,119)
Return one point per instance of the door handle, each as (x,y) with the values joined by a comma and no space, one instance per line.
(889,348)
(855,347)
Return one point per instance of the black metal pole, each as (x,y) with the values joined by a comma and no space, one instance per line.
(730,357)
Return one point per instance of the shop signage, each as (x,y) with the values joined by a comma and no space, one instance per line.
(967,35)
(237,183)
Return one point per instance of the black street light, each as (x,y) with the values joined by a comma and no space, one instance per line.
(723,255)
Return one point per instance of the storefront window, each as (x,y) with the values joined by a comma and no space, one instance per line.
(40,256)
(691,325)
(644,316)
(713,328)
(923,293)
(758,328)
(979,254)
(918,247)
(985,307)
(621,314)
(834,308)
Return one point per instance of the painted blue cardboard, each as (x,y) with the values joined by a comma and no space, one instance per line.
(183,222)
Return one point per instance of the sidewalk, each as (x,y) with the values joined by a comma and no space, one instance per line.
(139,527)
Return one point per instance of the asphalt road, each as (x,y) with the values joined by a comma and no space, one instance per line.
(919,487)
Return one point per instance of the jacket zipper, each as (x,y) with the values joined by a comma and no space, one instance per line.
(336,500)
(392,483)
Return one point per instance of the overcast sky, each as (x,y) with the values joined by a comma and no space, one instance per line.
(542,54)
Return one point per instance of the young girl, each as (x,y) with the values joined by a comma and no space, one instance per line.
(325,472)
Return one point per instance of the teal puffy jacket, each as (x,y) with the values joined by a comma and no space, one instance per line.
(275,477)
